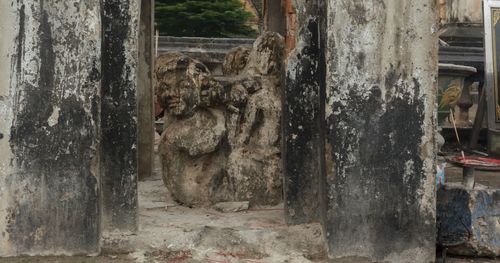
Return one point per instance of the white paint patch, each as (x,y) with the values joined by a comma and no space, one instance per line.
(54,117)
(409,171)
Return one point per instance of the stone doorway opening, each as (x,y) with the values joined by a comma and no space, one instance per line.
(222,232)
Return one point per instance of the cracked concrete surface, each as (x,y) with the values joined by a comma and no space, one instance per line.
(173,233)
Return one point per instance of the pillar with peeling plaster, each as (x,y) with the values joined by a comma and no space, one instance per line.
(49,127)
(358,128)
(380,118)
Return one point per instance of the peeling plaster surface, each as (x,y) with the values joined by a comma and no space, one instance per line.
(48,93)
(382,70)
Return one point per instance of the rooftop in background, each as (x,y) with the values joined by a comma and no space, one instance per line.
(461,11)
(210,51)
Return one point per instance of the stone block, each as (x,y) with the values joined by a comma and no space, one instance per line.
(468,220)
(231,207)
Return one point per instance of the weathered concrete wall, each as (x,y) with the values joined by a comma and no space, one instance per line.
(145,105)
(381,76)
(303,115)
(49,115)
(120,23)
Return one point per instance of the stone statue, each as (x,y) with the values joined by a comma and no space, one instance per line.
(222,134)
(235,61)
(190,144)
(254,162)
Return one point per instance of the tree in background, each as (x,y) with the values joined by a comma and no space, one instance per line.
(203,18)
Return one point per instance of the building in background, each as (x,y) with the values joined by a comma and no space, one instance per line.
(277,16)
(251,7)
(461,11)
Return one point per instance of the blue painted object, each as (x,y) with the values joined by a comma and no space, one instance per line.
(440,175)
(468,220)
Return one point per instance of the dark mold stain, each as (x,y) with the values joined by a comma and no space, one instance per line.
(29,129)
(386,141)
(20,38)
(302,121)
(360,60)
(358,12)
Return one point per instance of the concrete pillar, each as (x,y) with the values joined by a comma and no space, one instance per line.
(119,118)
(145,92)
(381,97)
(49,116)
(303,115)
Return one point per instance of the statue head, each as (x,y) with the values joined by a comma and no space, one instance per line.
(267,55)
(178,83)
(235,61)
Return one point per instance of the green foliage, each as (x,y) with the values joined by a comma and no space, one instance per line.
(203,18)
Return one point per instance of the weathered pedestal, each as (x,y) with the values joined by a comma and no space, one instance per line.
(467,220)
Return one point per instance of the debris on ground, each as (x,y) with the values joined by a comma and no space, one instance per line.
(232,207)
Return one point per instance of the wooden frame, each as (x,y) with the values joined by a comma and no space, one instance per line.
(492,68)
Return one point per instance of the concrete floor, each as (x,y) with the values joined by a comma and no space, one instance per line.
(169,232)
(172,233)
(176,234)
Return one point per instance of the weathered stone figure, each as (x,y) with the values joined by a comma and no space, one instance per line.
(235,61)
(254,162)
(222,136)
(190,145)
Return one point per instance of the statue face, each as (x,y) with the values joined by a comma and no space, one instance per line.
(180,95)
(178,83)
